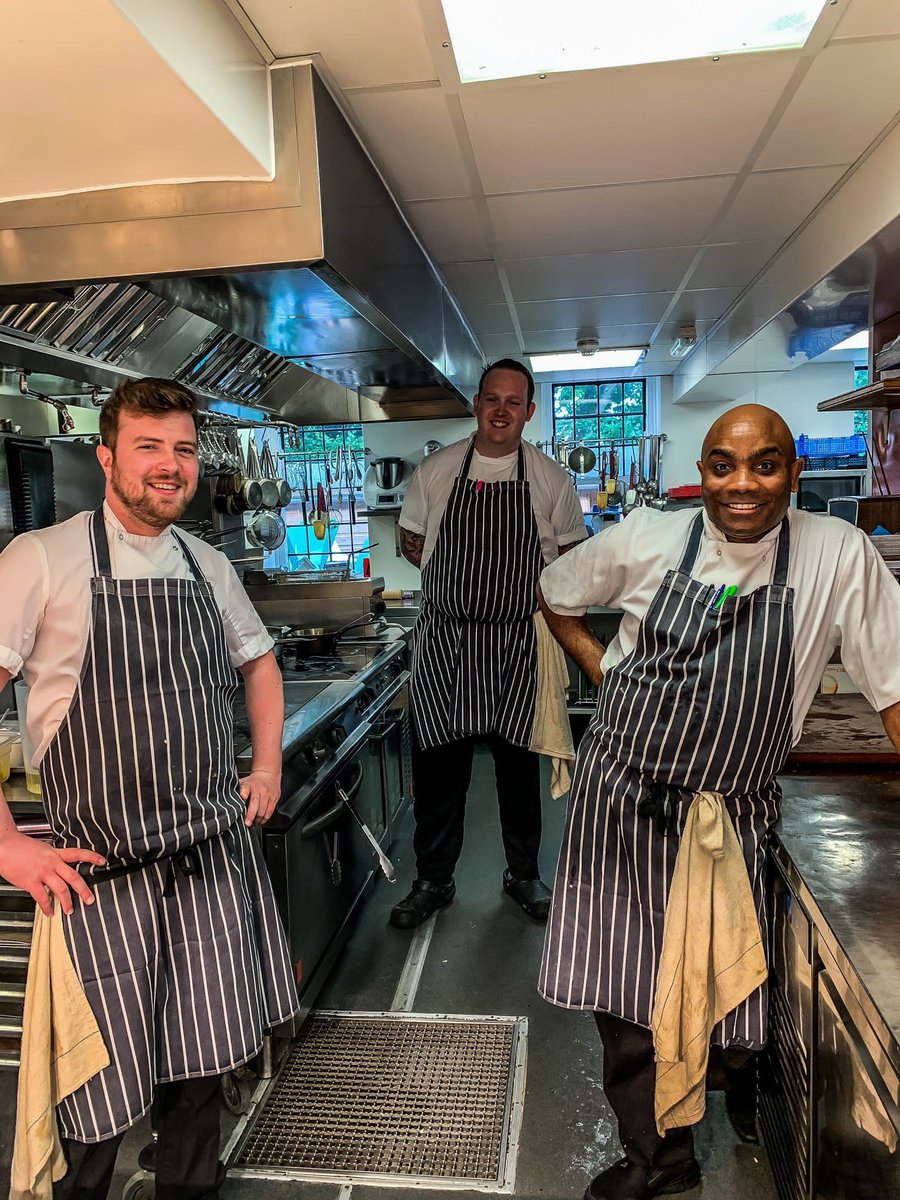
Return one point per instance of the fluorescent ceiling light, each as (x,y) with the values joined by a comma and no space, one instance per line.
(858,341)
(622,356)
(507,38)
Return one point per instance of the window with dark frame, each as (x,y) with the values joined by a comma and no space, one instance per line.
(595,411)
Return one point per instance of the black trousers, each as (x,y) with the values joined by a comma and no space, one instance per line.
(186,1116)
(629,1081)
(441,778)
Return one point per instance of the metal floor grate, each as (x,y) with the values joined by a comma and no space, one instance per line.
(395,1097)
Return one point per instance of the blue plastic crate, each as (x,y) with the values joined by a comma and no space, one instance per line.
(830,447)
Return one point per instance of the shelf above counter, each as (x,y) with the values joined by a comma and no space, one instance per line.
(884,394)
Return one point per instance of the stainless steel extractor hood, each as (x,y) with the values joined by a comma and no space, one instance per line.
(307,296)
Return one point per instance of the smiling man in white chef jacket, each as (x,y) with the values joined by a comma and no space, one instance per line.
(129,635)
(481,519)
(730,616)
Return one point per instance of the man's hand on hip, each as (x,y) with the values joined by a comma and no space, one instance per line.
(39,869)
(262,791)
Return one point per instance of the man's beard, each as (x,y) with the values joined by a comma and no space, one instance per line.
(147,506)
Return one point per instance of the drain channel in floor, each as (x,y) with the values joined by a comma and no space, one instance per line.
(395,1097)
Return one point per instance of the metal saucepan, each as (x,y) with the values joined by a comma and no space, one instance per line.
(276,491)
(237,492)
(582,460)
(266,530)
(318,641)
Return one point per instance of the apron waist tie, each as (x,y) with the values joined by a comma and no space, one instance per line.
(186,861)
(660,803)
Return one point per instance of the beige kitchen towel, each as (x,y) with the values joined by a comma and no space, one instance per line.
(712,958)
(62,1048)
(552,733)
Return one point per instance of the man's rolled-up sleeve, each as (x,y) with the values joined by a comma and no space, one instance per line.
(568,519)
(868,619)
(593,572)
(414,513)
(24,593)
(246,636)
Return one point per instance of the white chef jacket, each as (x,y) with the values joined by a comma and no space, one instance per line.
(45,605)
(558,515)
(844,595)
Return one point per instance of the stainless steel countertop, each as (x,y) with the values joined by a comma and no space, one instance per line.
(318,703)
(839,842)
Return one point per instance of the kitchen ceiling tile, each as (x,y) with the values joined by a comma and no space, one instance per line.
(830,120)
(705,305)
(622,273)
(500,345)
(451,230)
(774,203)
(591,315)
(624,217)
(410,136)
(548,341)
(663,121)
(869,18)
(363,44)
(732,264)
(489,318)
(475,283)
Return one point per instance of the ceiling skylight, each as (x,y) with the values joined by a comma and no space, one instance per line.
(508,38)
(621,356)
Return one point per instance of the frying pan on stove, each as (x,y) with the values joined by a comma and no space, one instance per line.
(318,641)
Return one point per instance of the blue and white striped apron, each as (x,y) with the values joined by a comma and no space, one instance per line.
(474,668)
(183,960)
(703,702)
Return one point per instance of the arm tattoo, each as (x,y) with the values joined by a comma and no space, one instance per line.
(411,546)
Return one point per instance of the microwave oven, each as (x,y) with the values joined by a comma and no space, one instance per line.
(816,488)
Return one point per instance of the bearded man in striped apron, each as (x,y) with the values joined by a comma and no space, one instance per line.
(730,616)
(481,518)
(129,635)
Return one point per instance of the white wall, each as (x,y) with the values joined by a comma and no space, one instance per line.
(794,394)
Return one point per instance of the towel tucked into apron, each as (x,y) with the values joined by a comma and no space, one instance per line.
(62,1048)
(552,733)
(712,958)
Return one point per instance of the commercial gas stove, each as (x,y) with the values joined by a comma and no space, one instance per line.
(347,765)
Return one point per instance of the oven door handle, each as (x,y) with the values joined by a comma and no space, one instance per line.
(331,815)
(356,782)
(386,726)
(328,818)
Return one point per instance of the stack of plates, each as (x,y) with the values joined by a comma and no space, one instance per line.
(888,546)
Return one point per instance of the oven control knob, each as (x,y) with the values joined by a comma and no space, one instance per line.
(336,734)
(317,751)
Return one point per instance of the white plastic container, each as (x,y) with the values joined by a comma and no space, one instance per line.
(7,740)
(32,776)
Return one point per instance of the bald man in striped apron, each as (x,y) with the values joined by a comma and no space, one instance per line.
(730,616)
(128,635)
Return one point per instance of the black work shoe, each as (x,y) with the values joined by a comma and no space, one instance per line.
(532,895)
(625,1180)
(742,1115)
(422,902)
